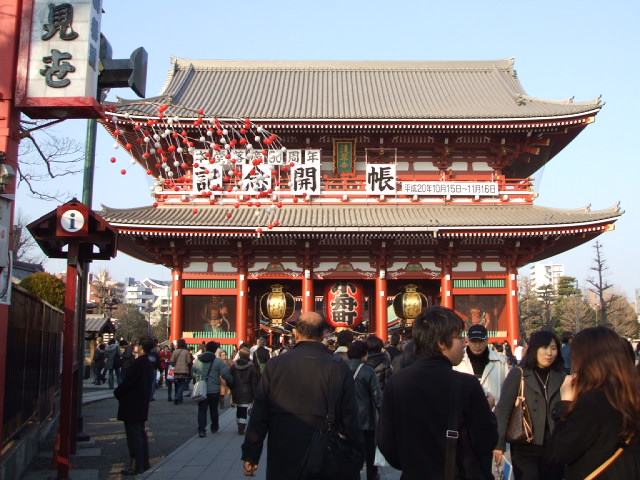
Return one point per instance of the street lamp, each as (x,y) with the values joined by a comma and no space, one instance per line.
(149,309)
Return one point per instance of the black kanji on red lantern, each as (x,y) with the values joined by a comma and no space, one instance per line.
(344,305)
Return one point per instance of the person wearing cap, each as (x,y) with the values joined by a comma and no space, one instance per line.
(489,368)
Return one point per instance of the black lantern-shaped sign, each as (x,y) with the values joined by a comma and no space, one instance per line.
(277,305)
(410,304)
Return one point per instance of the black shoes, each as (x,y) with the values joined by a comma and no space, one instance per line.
(202,434)
(126,471)
(213,430)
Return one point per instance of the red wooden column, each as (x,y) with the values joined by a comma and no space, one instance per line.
(176,304)
(243,304)
(513,325)
(69,378)
(447,288)
(308,298)
(308,292)
(382,322)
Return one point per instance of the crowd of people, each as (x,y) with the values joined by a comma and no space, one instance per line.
(436,404)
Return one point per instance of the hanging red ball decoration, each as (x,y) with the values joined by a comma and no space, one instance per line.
(113,159)
(229,215)
(129,146)
(155,204)
(195,211)
(123,171)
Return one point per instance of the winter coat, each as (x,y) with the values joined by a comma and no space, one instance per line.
(291,404)
(134,392)
(128,357)
(539,409)
(181,360)
(245,381)
(203,368)
(493,375)
(589,436)
(110,353)
(414,418)
(393,351)
(368,394)
(381,363)
(99,359)
(342,353)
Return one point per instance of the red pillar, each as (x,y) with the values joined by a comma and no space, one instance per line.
(513,327)
(10,21)
(308,297)
(243,305)
(382,322)
(447,289)
(69,385)
(176,304)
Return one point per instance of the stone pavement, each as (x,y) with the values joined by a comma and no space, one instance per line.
(216,456)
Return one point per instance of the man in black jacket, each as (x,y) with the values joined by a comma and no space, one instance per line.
(412,431)
(292,400)
(133,395)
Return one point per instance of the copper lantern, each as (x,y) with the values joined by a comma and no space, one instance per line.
(410,304)
(277,305)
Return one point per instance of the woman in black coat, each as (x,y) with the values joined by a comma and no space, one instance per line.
(133,395)
(245,384)
(378,360)
(600,408)
(543,376)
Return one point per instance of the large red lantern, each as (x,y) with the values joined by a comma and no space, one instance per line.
(345,304)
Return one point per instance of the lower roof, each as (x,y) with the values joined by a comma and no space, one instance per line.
(204,218)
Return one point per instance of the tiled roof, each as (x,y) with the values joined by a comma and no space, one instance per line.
(95,323)
(355,218)
(326,90)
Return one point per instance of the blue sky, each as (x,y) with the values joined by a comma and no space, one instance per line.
(562,49)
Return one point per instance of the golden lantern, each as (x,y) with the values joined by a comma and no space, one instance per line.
(410,304)
(277,305)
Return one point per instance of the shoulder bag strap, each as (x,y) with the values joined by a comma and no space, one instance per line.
(452,431)
(357,371)
(608,461)
(210,367)
(521,393)
(331,410)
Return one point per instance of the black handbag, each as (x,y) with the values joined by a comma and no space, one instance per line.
(520,426)
(330,454)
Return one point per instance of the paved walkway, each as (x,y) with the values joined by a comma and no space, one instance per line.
(215,456)
(218,456)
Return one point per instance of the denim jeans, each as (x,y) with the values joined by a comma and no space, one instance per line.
(211,403)
(180,384)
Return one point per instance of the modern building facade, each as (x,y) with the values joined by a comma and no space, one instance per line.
(341,186)
(542,274)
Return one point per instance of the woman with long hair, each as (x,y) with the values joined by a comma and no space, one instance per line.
(600,408)
(543,376)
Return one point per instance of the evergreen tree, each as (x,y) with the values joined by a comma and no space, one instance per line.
(47,287)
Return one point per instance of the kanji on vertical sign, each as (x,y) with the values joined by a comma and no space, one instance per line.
(60,20)
(58,69)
